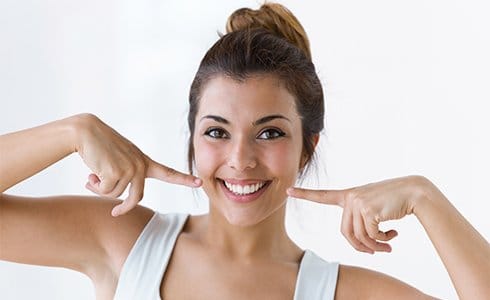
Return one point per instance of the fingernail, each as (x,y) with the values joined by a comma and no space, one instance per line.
(197,181)
(115,212)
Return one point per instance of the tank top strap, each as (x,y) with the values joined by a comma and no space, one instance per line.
(143,270)
(317,278)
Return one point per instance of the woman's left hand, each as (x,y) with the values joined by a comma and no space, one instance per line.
(365,207)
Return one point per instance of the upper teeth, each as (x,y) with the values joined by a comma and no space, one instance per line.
(244,189)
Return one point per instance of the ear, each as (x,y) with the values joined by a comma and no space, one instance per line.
(304,158)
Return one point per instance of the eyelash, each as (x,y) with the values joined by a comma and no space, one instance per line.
(211,130)
(278,133)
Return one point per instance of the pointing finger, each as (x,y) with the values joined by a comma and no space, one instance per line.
(332,197)
(161,172)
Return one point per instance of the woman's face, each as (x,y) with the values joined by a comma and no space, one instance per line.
(248,147)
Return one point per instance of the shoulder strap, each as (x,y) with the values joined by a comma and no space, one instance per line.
(142,272)
(317,279)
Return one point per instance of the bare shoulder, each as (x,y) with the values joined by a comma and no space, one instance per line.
(371,284)
(75,232)
(117,235)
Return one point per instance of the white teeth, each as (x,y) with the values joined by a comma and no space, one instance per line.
(244,189)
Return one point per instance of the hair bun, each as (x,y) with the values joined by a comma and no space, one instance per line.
(273,17)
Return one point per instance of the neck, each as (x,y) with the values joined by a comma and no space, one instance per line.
(265,240)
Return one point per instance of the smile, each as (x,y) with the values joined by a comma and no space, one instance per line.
(243,191)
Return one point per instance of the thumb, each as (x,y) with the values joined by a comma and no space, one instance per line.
(161,172)
(331,197)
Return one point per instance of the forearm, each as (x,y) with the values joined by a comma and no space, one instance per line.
(464,252)
(27,152)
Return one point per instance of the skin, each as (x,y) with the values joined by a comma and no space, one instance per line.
(248,238)
(236,251)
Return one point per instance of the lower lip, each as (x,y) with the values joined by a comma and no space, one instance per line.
(243,198)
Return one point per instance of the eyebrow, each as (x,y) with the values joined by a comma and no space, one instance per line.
(255,123)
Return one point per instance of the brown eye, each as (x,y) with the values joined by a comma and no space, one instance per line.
(270,134)
(216,133)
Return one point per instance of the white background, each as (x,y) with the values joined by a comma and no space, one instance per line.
(407,92)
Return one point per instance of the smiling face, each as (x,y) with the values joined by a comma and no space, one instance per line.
(248,147)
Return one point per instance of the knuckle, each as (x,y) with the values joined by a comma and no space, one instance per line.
(369,242)
(381,236)
(358,246)
(351,195)
(358,202)
(104,189)
(137,164)
(129,170)
(346,232)
(343,227)
(372,235)
(139,195)
(111,171)
(366,210)
(359,236)
(118,173)
(140,166)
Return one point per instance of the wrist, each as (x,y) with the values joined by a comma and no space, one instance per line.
(427,195)
(78,126)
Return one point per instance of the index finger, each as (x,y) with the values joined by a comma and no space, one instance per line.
(332,197)
(161,172)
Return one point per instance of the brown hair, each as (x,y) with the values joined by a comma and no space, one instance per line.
(267,41)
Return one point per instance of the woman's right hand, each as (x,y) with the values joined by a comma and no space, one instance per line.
(117,163)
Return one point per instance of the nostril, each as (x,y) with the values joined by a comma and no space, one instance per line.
(242,162)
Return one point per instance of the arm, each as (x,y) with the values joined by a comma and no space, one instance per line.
(115,161)
(370,284)
(72,231)
(27,152)
(65,231)
(464,252)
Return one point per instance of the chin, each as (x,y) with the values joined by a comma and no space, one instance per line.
(245,218)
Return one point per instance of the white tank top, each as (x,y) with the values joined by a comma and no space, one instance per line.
(143,270)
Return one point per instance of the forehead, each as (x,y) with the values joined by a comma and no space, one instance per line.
(254,96)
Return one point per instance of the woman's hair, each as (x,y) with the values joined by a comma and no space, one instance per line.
(268,41)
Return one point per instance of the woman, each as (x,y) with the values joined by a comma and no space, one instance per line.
(256,111)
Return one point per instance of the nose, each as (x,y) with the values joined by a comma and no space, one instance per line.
(242,155)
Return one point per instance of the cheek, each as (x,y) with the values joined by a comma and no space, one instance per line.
(283,159)
(206,158)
